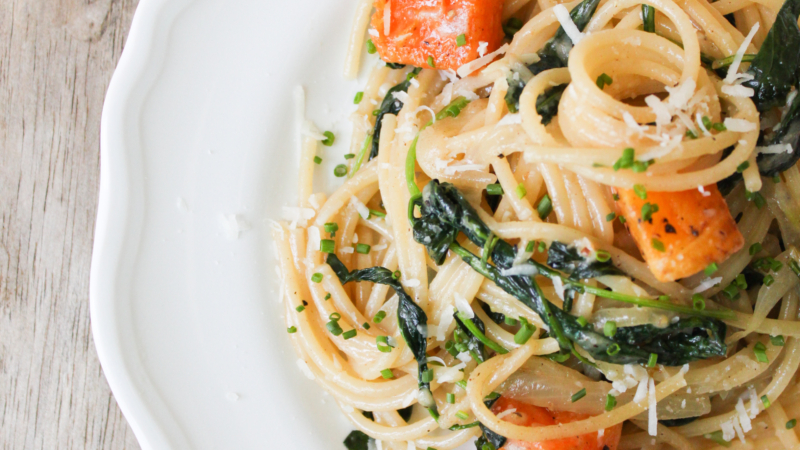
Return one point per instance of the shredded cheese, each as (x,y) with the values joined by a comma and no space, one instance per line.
(463,305)
(567,24)
(476,64)
(737,59)
(387,18)
(739,125)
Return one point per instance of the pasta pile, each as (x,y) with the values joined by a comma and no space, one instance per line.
(543,180)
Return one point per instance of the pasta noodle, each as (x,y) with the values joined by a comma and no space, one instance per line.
(486,258)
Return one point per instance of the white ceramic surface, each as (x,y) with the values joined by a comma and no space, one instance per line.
(198,123)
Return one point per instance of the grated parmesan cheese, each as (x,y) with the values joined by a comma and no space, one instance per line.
(737,90)
(400,95)
(445,322)
(663,116)
(525,269)
(737,59)
(706,284)
(633,124)
(362,209)
(373,32)
(567,24)
(233,225)
(412,283)
(346,250)
(739,125)
(507,412)
(482,46)
(476,64)
(703,191)
(463,305)
(744,419)
(652,411)
(680,95)
(776,148)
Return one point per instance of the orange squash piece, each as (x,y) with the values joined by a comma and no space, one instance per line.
(529,415)
(419,29)
(695,230)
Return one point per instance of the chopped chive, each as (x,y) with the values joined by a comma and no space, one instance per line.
(611,216)
(510,321)
(387,374)
(359,96)
(461,40)
(776,265)
(707,122)
(329,138)
(349,334)
(613,349)
(768,280)
(611,402)
(300,308)
(545,207)
(658,245)
(648,209)
(331,227)
(494,189)
(777,341)
(451,398)
(640,191)
(520,190)
(756,198)
(651,362)
(698,302)
(641,166)
(615,196)
(765,401)
(340,170)
(430,61)
(743,166)
(292,329)
(327,296)
(462,415)
(740,281)
(335,316)
(427,376)
(776,179)
(578,395)
(711,268)
(691,134)
(333,327)
(450,346)
(622,219)
(376,213)
(755,248)
(760,351)
(602,255)
(530,246)
(542,247)
(462,384)
(349,155)
(582,321)
(795,267)
(396,274)
(317,160)
(366,325)
(791,424)
(717,437)
(382,342)
(371,47)
(363,249)
(379,316)
(316,278)
(604,80)
(525,332)
(625,161)
(719,126)
(731,291)
(610,328)
(375,112)
(663,298)
(327,246)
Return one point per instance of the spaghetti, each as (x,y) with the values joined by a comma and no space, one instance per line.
(581,235)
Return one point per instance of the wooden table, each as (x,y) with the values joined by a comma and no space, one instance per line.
(56,59)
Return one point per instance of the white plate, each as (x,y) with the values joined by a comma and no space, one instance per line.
(198,123)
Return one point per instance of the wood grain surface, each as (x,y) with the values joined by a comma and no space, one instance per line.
(56,59)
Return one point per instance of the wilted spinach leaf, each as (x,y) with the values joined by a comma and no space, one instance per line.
(567,259)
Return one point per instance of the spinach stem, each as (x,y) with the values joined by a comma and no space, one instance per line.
(361,154)
(478,334)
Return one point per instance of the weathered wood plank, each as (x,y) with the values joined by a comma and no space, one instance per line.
(56,58)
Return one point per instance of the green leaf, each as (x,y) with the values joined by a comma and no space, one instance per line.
(567,259)
(357,440)
(776,64)
(389,105)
